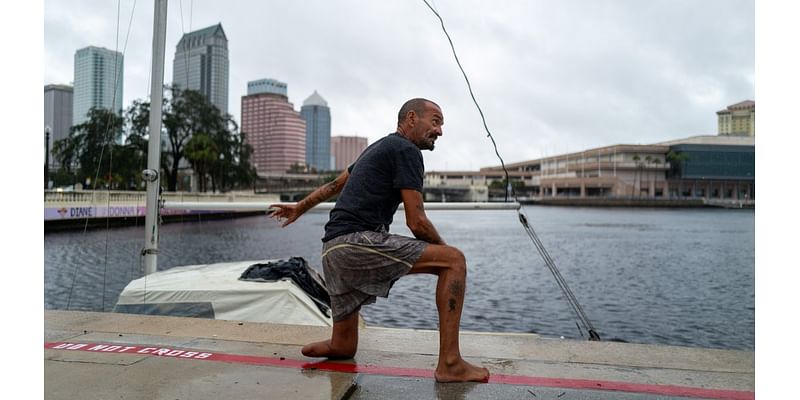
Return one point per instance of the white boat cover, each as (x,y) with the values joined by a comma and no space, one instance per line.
(280,302)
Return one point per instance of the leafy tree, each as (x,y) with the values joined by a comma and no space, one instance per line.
(516,184)
(91,152)
(676,161)
(235,166)
(647,161)
(218,153)
(636,188)
(202,153)
(657,163)
(297,168)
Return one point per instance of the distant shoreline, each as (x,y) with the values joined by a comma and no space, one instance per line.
(629,202)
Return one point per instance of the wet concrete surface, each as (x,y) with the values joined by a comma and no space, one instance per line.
(263,361)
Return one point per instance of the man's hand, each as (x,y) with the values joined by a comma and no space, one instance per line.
(293,211)
(289,211)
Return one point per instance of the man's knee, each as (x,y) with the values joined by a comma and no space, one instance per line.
(440,258)
(457,261)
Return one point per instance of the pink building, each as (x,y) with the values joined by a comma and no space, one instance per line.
(275,130)
(346,149)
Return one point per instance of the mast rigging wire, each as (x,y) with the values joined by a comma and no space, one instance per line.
(571,299)
(109,143)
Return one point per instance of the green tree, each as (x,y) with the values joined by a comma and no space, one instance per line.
(647,161)
(516,184)
(677,158)
(235,167)
(636,188)
(297,168)
(676,161)
(186,114)
(138,117)
(91,153)
(202,153)
(657,163)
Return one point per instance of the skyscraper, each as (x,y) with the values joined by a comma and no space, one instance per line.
(346,149)
(57,115)
(273,127)
(201,64)
(317,115)
(98,82)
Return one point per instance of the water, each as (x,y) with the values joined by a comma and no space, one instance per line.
(662,276)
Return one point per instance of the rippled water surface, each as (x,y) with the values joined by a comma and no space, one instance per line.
(662,276)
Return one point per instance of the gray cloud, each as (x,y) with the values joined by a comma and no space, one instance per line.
(550,76)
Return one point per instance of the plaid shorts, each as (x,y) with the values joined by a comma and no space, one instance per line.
(360,266)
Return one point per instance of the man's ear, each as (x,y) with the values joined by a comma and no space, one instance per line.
(411,117)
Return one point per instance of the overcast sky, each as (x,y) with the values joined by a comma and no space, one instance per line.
(551,76)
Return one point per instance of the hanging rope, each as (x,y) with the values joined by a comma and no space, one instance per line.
(573,301)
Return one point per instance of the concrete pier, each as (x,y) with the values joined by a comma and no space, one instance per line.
(105,355)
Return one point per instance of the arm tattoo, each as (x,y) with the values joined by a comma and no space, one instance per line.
(332,187)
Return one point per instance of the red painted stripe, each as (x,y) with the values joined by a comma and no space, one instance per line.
(349,367)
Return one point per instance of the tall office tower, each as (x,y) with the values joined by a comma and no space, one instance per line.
(273,127)
(201,64)
(98,82)
(346,149)
(57,115)
(317,115)
(738,119)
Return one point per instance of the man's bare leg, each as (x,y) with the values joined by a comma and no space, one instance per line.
(450,266)
(343,342)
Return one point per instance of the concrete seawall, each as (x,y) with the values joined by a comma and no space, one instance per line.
(79,209)
(635,202)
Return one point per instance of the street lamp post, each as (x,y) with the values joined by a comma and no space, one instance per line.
(221,170)
(46,156)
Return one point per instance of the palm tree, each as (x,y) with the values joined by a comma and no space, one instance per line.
(657,163)
(202,154)
(678,158)
(636,159)
(647,161)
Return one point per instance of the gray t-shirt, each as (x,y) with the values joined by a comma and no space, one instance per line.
(371,195)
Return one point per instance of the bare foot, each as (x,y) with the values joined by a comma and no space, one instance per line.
(324,349)
(461,371)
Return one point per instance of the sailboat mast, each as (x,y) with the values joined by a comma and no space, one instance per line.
(152,174)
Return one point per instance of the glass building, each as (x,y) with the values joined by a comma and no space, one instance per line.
(714,162)
(201,64)
(98,82)
(317,115)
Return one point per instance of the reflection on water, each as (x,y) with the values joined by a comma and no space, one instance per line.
(665,276)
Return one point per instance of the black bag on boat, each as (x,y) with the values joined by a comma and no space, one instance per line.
(296,269)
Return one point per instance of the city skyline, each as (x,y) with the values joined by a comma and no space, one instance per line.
(550,77)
